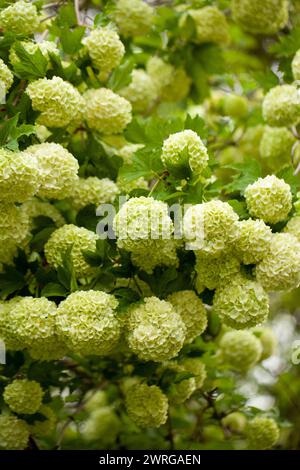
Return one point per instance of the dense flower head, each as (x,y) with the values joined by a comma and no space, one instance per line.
(93,190)
(8,252)
(142,219)
(211,271)
(76,239)
(195,366)
(19,178)
(87,322)
(102,425)
(23,396)
(20,17)
(172,84)
(280,268)
(262,433)
(146,405)
(269,199)
(235,421)
(141,92)
(261,16)
(235,106)
(57,169)
(276,146)
(293,226)
(14,223)
(34,208)
(133,17)
(154,253)
(252,240)
(105,49)
(59,102)
(209,227)
(43,428)
(241,303)
(267,340)
(240,350)
(14,433)
(156,331)
(46,48)
(281,106)
(105,111)
(6,76)
(185,149)
(211,25)
(296,65)
(192,312)
(6,332)
(179,392)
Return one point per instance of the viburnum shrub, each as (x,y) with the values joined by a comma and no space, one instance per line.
(149,224)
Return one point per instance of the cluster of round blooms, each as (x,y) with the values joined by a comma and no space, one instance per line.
(172,84)
(267,340)
(34,208)
(209,227)
(105,111)
(44,428)
(281,106)
(156,331)
(58,101)
(93,190)
(19,177)
(14,223)
(87,322)
(141,92)
(147,405)
(210,24)
(133,17)
(269,199)
(76,239)
(14,433)
(276,146)
(261,16)
(195,366)
(280,268)
(235,422)
(241,350)
(156,253)
(102,425)
(11,341)
(185,149)
(293,226)
(252,241)
(6,76)
(23,396)
(179,392)
(192,312)
(105,49)
(57,170)
(262,433)
(20,17)
(241,303)
(235,106)
(46,48)
(296,65)
(211,271)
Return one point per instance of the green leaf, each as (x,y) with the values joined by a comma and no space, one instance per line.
(266,79)
(287,45)
(287,174)
(240,208)
(196,124)
(121,76)
(248,173)
(71,39)
(71,73)
(10,133)
(11,281)
(30,66)
(54,290)
(146,162)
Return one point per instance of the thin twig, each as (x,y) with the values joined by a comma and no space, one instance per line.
(77,12)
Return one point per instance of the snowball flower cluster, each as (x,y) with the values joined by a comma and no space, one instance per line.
(23,396)
(211,25)
(281,106)
(87,322)
(146,405)
(34,208)
(262,433)
(14,433)
(212,271)
(276,146)
(133,17)
(14,224)
(93,190)
(141,92)
(252,241)
(46,48)
(20,17)
(241,350)
(185,149)
(6,77)
(293,226)
(269,199)
(261,16)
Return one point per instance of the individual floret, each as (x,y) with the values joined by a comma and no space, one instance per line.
(269,199)
(192,312)
(212,271)
(146,405)
(59,102)
(87,322)
(210,24)
(20,17)
(241,303)
(75,239)
(280,268)
(23,396)
(281,106)
(105,49)
(262,433)
(57,170)
(156,331)
(141,92)
(252,240)
(276,146)
(106,112)
(133,17)
(183,150)
(14,433)
(6,77)
(93,190)
(240,350)
(261,16)
(210,227)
